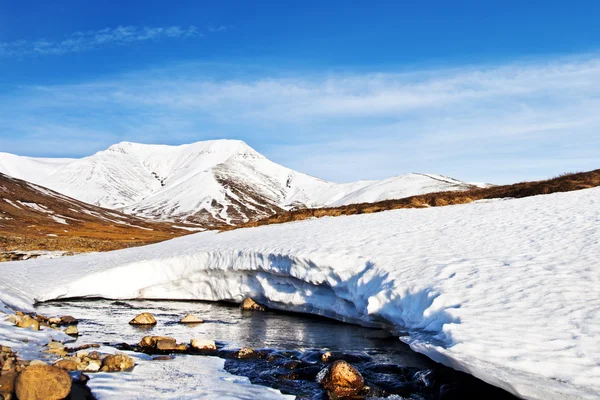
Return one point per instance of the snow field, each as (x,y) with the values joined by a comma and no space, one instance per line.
(508,291)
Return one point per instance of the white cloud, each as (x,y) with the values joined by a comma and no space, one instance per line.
(488,123)
(87,40)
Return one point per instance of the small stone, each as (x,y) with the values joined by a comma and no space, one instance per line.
(91,365)
(250,304)
(43,382)
(56,348)
(163,345)
(203,344)
(342,380)
(28,322)
(245,353)
(150,342)
(143,319)
(326,357)
(165,357)
(191,319)
(94,355)
(36,362)
(72,330)
(117,362)
(68,320)
(41,318)
(67,364)
(7,384)
(54,321)
(55,345)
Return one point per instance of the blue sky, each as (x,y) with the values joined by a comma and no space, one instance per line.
(495,91)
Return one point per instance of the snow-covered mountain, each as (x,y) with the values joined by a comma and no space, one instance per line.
(210,182)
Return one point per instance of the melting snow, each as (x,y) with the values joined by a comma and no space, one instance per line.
(508,291)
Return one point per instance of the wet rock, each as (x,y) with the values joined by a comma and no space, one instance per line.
(329,357)
(162,343)
(203,344)
(82,347)
(143,319)
(342,380)
(246,353)
(27,322)
(191,319)
(251,305)
(293,364)
(165,357)
(150,342)
(43,382)
(54,321)
(72,331)
(67,364)
(41,318)
(117,362)
(68,320)
(7,384)
(306,373)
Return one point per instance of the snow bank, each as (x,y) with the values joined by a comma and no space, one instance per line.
(508,291)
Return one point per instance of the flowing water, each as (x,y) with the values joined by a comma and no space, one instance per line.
(384,361)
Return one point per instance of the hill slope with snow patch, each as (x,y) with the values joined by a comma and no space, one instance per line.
(211,183)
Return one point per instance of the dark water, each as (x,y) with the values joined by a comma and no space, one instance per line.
(386,363)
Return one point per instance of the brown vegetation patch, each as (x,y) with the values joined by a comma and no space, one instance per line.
(36,218)
(562,183)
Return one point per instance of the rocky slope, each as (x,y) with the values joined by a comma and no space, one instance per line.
(33,217)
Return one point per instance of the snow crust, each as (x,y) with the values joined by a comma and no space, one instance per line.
(181,378)
(174,182)
(508,291)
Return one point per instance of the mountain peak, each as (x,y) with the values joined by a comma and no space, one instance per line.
(229,147)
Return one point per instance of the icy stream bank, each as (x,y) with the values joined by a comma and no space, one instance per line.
(507,291)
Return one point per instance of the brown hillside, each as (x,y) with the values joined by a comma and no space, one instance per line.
(562,183)
(35,218)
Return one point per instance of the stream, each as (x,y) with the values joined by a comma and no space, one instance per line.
(295,342)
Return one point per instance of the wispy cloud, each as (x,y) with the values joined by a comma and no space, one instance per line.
(88,40)
(494,123)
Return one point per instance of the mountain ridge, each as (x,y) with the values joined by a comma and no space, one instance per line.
(210,183)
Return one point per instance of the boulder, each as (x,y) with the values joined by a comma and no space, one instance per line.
(191,319)
(67,364)
(342,380)
(27,322)
(7,385)
(143,319)
(203,344)
(43,382)
(250,304)
(117,362)
(72,330)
